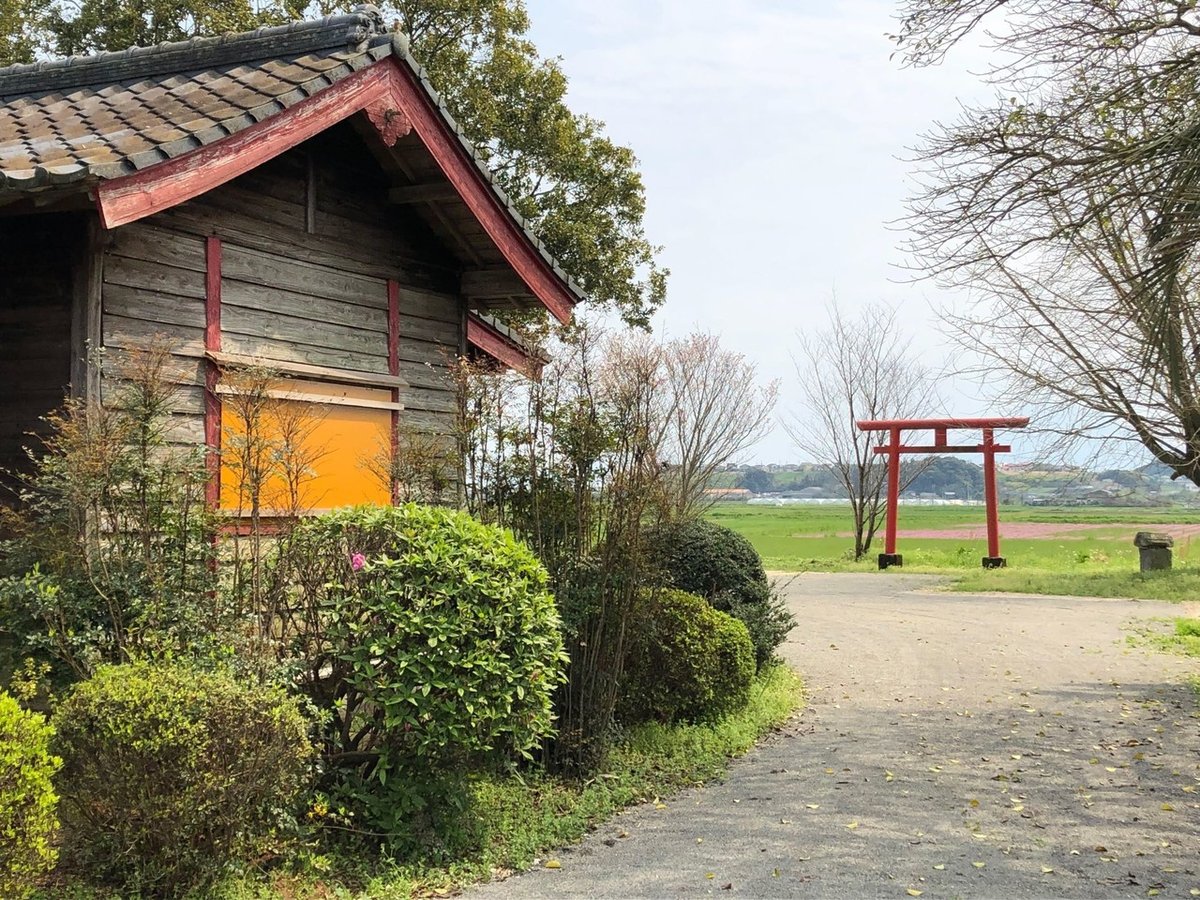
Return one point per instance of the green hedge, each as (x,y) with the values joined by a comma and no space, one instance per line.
(441,649)
(170,774)
(686,661)
(722,566)
(27,800)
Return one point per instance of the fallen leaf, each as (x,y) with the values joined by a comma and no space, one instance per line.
(813,805)
(1167,807)
(660,805)
(553,864)
(710,875)
(940,867)
(1189,788)
(974,804)
(1046,870)
(979,865)
(699,840)
(774,873)
(913,892)
(785,821)
(852,825)
(888,776)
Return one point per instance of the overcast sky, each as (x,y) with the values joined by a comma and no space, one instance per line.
(771,135)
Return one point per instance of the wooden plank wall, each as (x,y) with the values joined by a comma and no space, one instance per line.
(35,325)
(295,288)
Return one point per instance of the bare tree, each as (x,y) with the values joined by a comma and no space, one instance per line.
(857,368)
(1070,206)
(709,409)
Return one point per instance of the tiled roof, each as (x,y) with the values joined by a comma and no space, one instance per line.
(112,114)
(85,119)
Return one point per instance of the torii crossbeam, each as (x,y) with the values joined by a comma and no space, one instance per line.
(989,448)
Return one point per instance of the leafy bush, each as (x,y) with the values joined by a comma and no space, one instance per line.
(707,559)
(78,596)
(437,644)
(27,798)
(720,565)
(171,774)
(686,661)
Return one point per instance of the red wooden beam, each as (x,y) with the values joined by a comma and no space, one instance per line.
(169,183)
(393,339)
(462,171)
(394,100)
(924,424)
(212,374)
(946,448)
(501,348)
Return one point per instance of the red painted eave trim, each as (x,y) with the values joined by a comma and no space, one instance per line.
(502,348)
(167,184)
(394,99)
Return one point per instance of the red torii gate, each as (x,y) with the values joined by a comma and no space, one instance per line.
(989,448)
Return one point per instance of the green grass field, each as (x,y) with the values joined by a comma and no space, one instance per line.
(1099,560)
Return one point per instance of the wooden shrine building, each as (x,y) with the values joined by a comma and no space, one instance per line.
(296,198)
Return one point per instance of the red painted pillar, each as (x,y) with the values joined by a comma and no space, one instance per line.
(393,293)
(212,372)
(889,557)
(993,560)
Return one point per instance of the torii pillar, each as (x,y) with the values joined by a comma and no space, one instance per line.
(989,448)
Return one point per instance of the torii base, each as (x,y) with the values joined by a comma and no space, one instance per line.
(887,560)
(994,562)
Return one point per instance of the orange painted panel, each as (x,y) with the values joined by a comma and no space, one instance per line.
(334,452)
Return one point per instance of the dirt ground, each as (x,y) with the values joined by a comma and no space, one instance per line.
(953,746)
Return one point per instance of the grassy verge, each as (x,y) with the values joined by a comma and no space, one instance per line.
(519,819)
(1180,636)
(1174,586)
(816,538)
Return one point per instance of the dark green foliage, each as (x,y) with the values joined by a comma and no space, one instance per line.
(767,619)
(687,662)
(27,800)
(90,26)
(757,480)
(170,774)
(720,565)
(438,645)
(704,558)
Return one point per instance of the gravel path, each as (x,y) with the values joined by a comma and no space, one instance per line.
(955,745)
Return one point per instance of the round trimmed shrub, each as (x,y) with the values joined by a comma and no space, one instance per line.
(172,774)
(707,559)
(441,648)
(686,661)
(27,800)
(723,567)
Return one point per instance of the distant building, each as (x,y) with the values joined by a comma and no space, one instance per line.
(728,493)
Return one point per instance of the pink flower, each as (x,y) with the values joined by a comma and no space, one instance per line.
(357,561)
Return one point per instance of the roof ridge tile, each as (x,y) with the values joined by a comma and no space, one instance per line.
(351,30)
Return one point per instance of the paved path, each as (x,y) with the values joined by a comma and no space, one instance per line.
(960,746)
